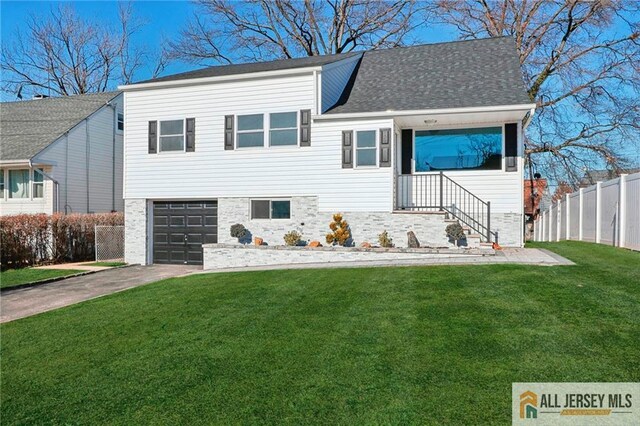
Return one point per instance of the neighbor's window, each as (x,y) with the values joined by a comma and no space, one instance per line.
(120,122)
(460,149)
(250,130)
(172,135)
(283,128)
(2,184)
(270,209)
(366,148)
(38,183)
(19,183)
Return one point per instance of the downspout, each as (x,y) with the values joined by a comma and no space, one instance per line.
(56,186)
(113,156)
(87,159)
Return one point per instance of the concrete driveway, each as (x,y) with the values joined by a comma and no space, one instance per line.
(20,303)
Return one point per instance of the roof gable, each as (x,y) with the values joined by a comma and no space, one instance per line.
(27,127)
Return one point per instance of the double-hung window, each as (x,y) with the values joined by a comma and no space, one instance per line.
(19,183)
(120,122)
(172,135)
(38,183)
(283,128)
(270,209)
(366,148)
(250,130)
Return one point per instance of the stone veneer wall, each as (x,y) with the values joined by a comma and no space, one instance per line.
(314,225)
(135,231)
(223,256)
(365,226)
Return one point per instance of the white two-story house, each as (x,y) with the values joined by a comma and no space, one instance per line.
(62,154)
(395,140)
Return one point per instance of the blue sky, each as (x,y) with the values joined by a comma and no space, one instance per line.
(164,19)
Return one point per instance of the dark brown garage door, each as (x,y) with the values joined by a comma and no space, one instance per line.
(180,229)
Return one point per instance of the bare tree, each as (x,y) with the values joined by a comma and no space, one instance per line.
(227,31)
(581,66)
(63,54)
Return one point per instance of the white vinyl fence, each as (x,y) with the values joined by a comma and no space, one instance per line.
(607,213)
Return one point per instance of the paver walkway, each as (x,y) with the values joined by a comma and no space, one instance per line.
(25,302)
(78,266)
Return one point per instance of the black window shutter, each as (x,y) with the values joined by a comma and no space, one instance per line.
(407,150)
(385,147)
(191,134)
(305,127)
(511,147)
(153,137)
(228,132)
(347,149)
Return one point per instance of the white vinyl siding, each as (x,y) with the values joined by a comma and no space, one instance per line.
(279,173)
(78,179)
(335,78)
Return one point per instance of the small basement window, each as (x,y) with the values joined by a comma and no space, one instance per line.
(366,148)
(120,124)
(270,209)
(250,130)
(38,183)
(283,128)
(172,135)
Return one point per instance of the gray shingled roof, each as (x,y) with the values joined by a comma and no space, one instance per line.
(27,127)
(458,74)
(281,64)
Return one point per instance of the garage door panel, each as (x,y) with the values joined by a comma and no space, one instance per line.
(180,229)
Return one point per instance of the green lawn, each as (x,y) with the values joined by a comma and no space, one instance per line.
(411,345)
(14,277)
(107,264)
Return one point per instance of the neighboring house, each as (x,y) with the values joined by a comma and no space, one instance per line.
(591,177)
(394,139)
(534,191)
(62,154)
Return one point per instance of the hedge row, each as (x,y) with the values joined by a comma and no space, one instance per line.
(31,239)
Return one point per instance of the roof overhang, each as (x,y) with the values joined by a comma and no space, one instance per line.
(220,79)
(9,163)
(524,108)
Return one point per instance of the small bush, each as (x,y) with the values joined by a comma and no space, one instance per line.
(341,233)
(238,231)
(385,240)
(455,232)
(292,238)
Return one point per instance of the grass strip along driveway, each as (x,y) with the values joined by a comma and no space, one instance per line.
(412,345)
(15,277)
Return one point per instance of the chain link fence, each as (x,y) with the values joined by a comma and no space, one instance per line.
(109,243)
